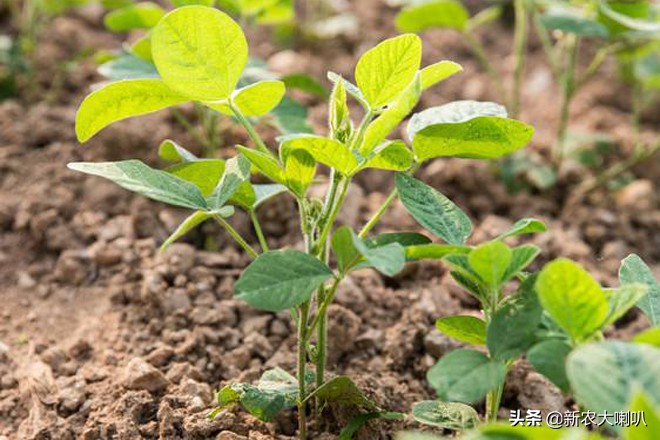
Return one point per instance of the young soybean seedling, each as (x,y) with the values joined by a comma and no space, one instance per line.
(200,54)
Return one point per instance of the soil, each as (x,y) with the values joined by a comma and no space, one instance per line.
(101,337)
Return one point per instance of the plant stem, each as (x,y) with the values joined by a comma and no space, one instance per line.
(520,44)
(181,119)
(302,360)
(332,216)
(257,229)
(493,400)
(245,122)
(546,42)
(234,233)
(378,214)
(480,53)
(568,89)
(321,342)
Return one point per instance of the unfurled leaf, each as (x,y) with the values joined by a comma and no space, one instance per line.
(135,176)
(405,239)
(466,329)
(634,270)
(326,151)
(389,119)
(573,21)
(204,174)
(280,280)
(392,155)
(573,299)
(606,376)
(265,192)
(512,328)
(257,99)
(144,15)
(548,357)
(170,151)
(490,261)
(128,66)
(199,52)
(121,100)
(435,13)
(299,171)
(465,376)
(446,415)
(433,211)
(306,83)
(435,73)
(266,163)
(290,117)
(343,391)
(623,299)
(521,257)
(524,226)
(469,129)
(384,71)
(352,251)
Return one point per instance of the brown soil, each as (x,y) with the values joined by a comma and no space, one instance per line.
(102,338)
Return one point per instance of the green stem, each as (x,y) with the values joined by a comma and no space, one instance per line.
(493,401)
(520,43)
(323,306)
(245,122)
(234,233)
(257,229)
(326,227)
(480,53)
(568,90)
(302,361)
(321,341)
(595,64)
(546,42)
(378,214)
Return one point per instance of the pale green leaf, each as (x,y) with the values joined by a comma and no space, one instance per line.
(256,99)
(440,71)
(649,336)
(434,251)
(199,52)
(324,150)
(521,257)
(204,174)
(267,164)
(549,358)
(435,13)
(467,329)
(143,15)
(191,222)
(170,151)
(121,100)
(446,415)
(299,171)
(634,270)
(490,261)
(642,403)
(384,71)
(623,299)
(391,155)
(237,171)
(524,226)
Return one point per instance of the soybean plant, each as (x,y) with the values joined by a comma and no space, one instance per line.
(200,54)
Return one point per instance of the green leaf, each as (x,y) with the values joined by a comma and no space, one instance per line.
(391,155)
(512,328)
(432,210)
(350,251)
(435,73)
(484,17)
(620,17)
(199,52)
(349,88)
(290,117)
(256,99)
(265,192)
(573,21)
(237,171)
(306,83)
(180,3)
(299,171)
(435,13)
(144,15)
(521,257)
(339,118)
(549,358)
(446,415)
(605,376)
(326,151)
(433,251)
(641,403)
(490,261)
(467,329)
(204,174)
(389,119)
(170,151)
(384,71)
(191,222)
(649,336)
(465,376)
(405,239)
(140,178)
(121,100)
(524,226)
(623,299)
(343,391)
(280,280)
(634,270)
(469,129)
(573,299)
(128,66)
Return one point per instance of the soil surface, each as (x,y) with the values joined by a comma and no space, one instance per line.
(103,338)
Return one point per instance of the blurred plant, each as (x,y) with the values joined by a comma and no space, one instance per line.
(200,54)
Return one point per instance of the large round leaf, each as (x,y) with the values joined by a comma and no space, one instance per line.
(466,129)
(199,52)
